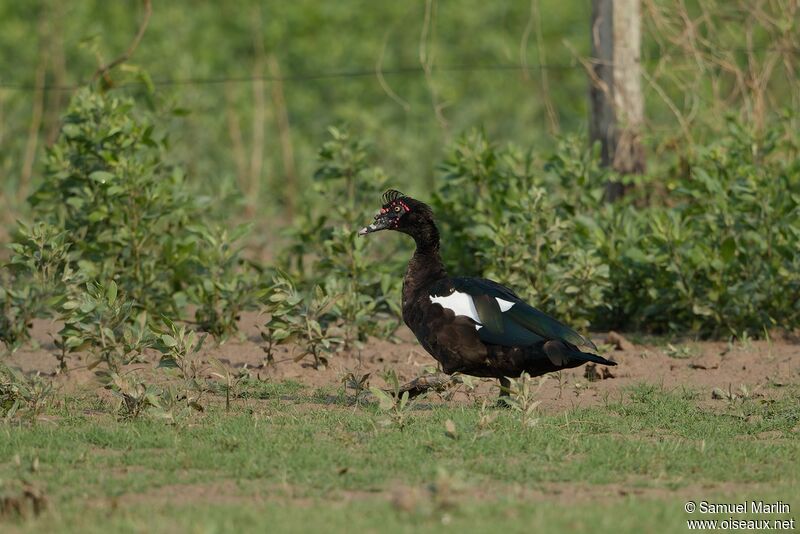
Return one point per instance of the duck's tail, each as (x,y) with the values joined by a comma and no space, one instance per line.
(560,353)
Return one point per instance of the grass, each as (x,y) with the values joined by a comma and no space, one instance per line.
(290,459)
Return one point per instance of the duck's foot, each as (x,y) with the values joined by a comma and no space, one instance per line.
(425,383)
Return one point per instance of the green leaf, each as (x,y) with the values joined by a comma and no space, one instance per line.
(700,309)
(71,130)
(168,340)
(97,216)
(167,362)
(403,400)
(385,401)
(280,334)
(636,255)
(109,334)
(101,176)
(70,305)
(111,293)
(199,344)
(75,202)
(728,249)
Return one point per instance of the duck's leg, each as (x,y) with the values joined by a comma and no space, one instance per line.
(504,399)
(505,387)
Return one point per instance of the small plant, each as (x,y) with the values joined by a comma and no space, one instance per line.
(230,380)
(302,318)
(21,395)
(740,395)
(281,304)
(360,305)
(104,322)
(395,404)
(111,207)
(679,352)
(135,395)
(561,380)
(16,314)
(458,383)
(523,398)
(221,284)
(35,280)
(356,382)
(42,250)
(485,421)
(345,189)
(179,348)
(745,340)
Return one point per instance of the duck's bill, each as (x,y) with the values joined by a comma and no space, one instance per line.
(380,224)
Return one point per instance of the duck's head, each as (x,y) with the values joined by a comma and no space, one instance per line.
(401,213)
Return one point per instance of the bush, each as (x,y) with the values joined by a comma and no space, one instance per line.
(500,222)
(325,249)
(720,256)
(716,254)
(106,184)
(104,322)
(110,208)
(36,281)
(301,318)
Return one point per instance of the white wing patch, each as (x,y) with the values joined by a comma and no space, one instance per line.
(462,304)
(505,305)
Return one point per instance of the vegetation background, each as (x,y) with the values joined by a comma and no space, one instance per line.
(201,198)
(262,81)
(242,97)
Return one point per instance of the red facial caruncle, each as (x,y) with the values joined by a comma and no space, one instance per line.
(395,207)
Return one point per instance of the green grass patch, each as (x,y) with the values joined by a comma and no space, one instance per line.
(299,463)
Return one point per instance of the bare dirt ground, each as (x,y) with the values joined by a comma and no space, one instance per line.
(757,368)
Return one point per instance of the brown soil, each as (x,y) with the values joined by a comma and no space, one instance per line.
(441,493)
(762,367)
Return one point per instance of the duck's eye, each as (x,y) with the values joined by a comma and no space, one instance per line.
(397,208)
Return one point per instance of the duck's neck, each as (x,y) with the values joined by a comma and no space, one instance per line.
(426,265)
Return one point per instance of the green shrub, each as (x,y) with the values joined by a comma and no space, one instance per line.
(721,256)
(36,279)
(217,280)
(107,185)
(106,324)
(302,318)
(110,208)
(714,253)
(17,310)
(500,222)
(22,395)
(325,249)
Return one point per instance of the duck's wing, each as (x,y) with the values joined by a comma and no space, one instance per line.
(502,318)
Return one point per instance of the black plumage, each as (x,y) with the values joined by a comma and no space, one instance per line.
(473,325)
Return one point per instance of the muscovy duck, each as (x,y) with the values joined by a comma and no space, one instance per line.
(473,326)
